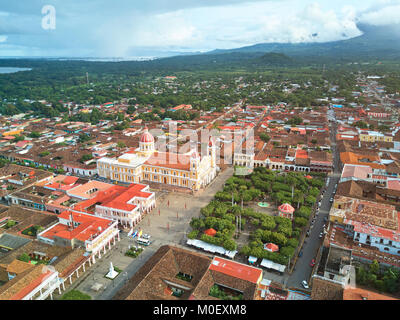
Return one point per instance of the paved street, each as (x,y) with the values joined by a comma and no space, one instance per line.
(167,224)
(310,248)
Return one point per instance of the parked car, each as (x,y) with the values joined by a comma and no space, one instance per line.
(300,253)
(321,235)
(325,219)
(144,242)
(331,200)
(305,284)
(312,263)
(146,236)
(308,233)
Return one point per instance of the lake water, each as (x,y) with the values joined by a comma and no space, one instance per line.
(12,69)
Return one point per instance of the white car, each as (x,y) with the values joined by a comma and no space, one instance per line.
(146,236)
(305,284)
(321,235)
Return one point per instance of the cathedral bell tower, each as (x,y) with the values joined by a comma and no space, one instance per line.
(146,143)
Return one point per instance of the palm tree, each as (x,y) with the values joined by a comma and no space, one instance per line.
(292,182)
(231,187)
(242,189)
(299,198)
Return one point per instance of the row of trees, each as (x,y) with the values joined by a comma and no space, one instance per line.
(387,280)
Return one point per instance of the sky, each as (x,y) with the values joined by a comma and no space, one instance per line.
(133,28)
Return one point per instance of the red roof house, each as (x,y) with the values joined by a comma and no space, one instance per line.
(271,247)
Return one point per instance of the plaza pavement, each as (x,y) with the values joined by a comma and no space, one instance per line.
(167,224)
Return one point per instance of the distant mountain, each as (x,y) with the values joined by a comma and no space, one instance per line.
(274,58)
(375,42)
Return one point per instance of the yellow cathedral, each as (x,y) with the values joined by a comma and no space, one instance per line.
(188,170)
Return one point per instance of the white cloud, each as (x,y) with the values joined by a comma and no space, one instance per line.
(232,26)
(389,13)
(3,38)
(119,27)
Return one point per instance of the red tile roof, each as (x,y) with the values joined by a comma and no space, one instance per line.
(116,197)
(89,226)
(169,160)
(235,269)
(362,294)
(32,285)
(300,153)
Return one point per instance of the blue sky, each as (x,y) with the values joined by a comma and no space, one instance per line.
(126,28)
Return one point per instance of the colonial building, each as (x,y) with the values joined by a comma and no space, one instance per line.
(81,230)
(188,170)
(369,223)
(179,274)
(127,205)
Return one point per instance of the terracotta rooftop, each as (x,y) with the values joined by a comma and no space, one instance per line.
(18,266)
(89,226)
(116,197)
(23,284)
(158,274)
(89,189)
(362,294)
(169,160)
(237,270)
(356,171)
(366,212)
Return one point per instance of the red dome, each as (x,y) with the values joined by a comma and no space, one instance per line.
(146,136)
(286,207)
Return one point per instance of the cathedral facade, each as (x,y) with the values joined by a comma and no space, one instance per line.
(188,170)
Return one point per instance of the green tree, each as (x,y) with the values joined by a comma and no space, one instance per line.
(121,144)
(374,267)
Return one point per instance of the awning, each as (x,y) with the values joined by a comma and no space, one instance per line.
(211,248)
(252,259)
(272,265)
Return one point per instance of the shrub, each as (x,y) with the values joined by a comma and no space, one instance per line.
(193,234)
(285,230)
(230,245)
(310,200)
(303,212)
(133,253)
(300,222)
(24,257)
(287,251)
(292,243)
(268,223)
(76,295)
(197,223)
(245,250)
(278,238)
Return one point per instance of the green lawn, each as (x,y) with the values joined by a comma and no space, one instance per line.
(76,295)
